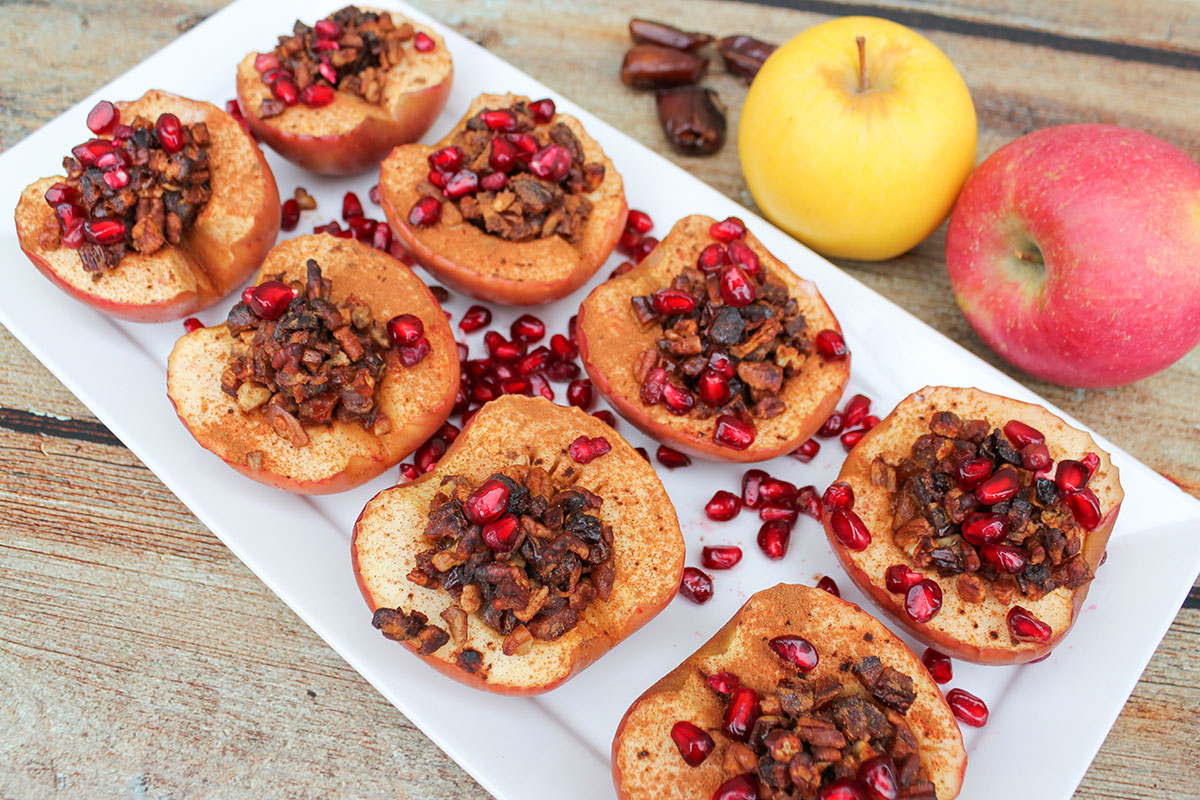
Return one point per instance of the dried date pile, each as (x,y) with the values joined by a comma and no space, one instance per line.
(139,191)
(305,360)
(523,554)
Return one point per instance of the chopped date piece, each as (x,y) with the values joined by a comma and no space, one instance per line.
(692,118)
(535,587)
(744,55)
(645,31)
(311,363)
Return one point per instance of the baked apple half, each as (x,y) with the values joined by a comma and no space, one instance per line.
(976,521)
(334,366)
(714,346)
(337,96)
(800,695)
(516,205)
(168,209)
(539,541)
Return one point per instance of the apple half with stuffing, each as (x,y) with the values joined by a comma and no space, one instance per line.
(976,521)
(335,365)
(517,204)
(539,541)
(335,97)
(800,694)
(168,209)
(713,346)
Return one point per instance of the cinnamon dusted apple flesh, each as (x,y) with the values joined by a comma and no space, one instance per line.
(168,208)
(713,346)
(335,365)
(539,541)
(800,694)
(335,96)
(516,205)
(977,521)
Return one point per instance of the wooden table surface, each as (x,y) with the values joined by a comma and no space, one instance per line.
(140,659)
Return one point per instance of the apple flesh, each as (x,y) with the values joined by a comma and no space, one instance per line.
(1074,252)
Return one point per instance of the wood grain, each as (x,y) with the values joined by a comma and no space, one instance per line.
(140,659)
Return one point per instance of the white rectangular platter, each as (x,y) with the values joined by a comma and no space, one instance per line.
(1049,717)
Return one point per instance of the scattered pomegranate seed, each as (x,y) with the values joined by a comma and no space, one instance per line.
(487,503)
(723,682)
(409,472)
(643,249)
(326,71)
(169,132)
(678,400)
(423,42)
(60,193)
(621,269)
(723,506)
(739,787)
(673,301)
(563,348)
(427,455)
(104,230)
(832,426)
(502,535)
(671,458)
(740,713)
(461,184)
(327,29)
(503,155)
(552,162)
(851,438)
(526,145)
(831,345)
(381,239)
(542,110)
(580,394)
(499,119)
(1071,476)
(628,241)
(1002,486)
(1025,627)
(446,159)
(807,451)
(727,229)
(426,211)
(980,528)
(737,289)
(73,235)
(103,117)
(741,255)
(899,578)
(265,61)
(923,601)
(448,431)
(777,492)
(967,708)
(733,432)
(317,95)
(289,214)
(751,486)
(849,529)
(855,409)
(192,324)
(839,495)
(1022,435)
(536,361)
(405,329)
(412,354)
(584,450)
(721,556)
(606,416)
(1035,457)
(1004,558)
(808,502)
(712,258)
(1092,462)
(972,472)
(828,584)
(88,153)
(639,221)
(713,388)
(796,650)
(1085,507)
(696,586)
(540,385)
(784,514)
(878,775)
(869,422)
(476,317)
(351,206)
(694,743)
(773,539)
(939,665)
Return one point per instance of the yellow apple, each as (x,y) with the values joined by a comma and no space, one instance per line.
(857,136)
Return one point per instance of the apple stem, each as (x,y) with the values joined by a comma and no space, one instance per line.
(861,41)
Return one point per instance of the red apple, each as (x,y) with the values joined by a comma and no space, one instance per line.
(1074,252)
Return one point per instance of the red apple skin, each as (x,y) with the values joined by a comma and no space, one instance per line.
(1115,214)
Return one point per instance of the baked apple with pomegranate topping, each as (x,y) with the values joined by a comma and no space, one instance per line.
(976,521)
(334,366)
(539,541)
(801,695)
(516,205)
(714,346)
(163,213)
(337,96)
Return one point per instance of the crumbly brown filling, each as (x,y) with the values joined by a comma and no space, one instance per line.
(931,504)
(311,364)
(720,358)
(558,560)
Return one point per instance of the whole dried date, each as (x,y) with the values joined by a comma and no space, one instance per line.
(645,31)
(744,55)
(651,66)
(692,119)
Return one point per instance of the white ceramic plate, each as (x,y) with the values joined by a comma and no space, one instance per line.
(1049,717)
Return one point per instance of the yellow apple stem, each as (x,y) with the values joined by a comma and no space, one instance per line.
(861,41)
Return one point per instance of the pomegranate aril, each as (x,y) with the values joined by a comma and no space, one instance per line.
(1035,457)
(327,71)
(878,775)
(1002,486)
(542,111)
(849,529)
(843,789)
(851,438)
(351,206)
(493,181)
(855,409)
(88,153)
(673,301)
(427,455)
(713,388)
(1071,476)
(831,345)
(1085,507)
(751,487)
(899,578)
(289,214)
(1004,558)
(722,363)
(638,221)
(696,586)
(461,184)
(739,787)
(526,145)
(285,90)
(581,394)
(487,503)
(112,159)
(327,29)
(1025,627)
(483,391)
(737,289)
(784,514)
(103,117)
(73,236)
(426,211)
(116,179)
(868,422)
(712,258)
(412,354)
(563,371)
(563,348)
(1092,462)
(828,584)
(923,600)
(678,400)
(121,133)
(733,433)
(503,155)
(476,317)
(721,556)
(723,682)
(973,471)
(621,269)
(423,42)
(643,248)
(273,76)
(409,472)
(839,495)
(552,162)
(507,351)
(980,528)
(967,708)
(515,386)
(773,539)
(317,95)
(795,650)
(727,229)
(777,492)
(192,324)
(740,713)
(583,450)
(60,193)
(438,179)
(744,257)
(534,362)
(499,119)
(671,458)
(628,241)
(104,230)
(448,431)
(651,390)
(447,159)
(807,451)
(832,426)
(381,238)
(405,329)
(1021,434)
(693,742)
(808,502)
(541,386)
(939,665)
(502,535)
(723,506)
(265,61)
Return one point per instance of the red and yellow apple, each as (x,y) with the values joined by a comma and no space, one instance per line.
(856,137)
(1074,252)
